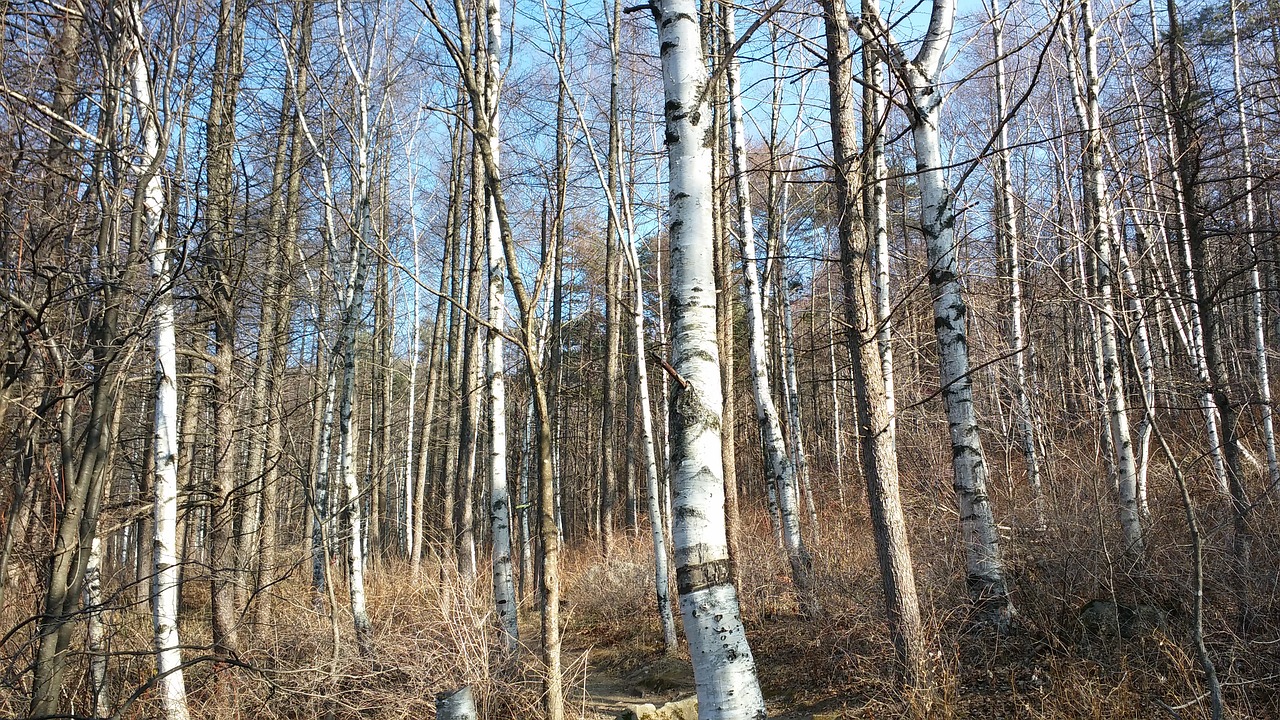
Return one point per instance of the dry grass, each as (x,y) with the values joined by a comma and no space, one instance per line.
(1052,668)
(434,634)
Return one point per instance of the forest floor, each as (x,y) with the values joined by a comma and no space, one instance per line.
(435,634)
(839,663)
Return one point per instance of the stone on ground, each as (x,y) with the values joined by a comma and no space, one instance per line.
(686,709)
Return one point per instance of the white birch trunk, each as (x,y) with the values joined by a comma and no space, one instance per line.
(875,208)
(1191,299)
(504,593)
(96,641)
(724,669)
(165,582)
(346,449)
(320,531)
(983,564)
(353,313)
(1103,232)
(1255,274)
(661,574)
(664,387)
(799,456)
(837,431)
(778,465)
(1146,374)
(1007,226)
(414,352)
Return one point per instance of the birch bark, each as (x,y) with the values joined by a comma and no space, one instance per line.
(777,462)
(724,669)
(871,408)
(499,496)
(1007,230)
(1255,273)
(1102,232)
(921,78)
(875,206)
(165,588)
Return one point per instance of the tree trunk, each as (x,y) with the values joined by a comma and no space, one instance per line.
(222,291)
(1189,147)
(165,587)
(1255,273)
(724,669)
(874,422)
(920,76)
(1006,227)
(777,463)
(1102,231)
(499,497)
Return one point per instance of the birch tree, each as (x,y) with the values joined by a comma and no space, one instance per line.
(1255,273)
(164,585)
(871,407)
(500,511)
(724,669)
(1007,238)
(921,78)
(875,203)
(777,462)
(1102,233)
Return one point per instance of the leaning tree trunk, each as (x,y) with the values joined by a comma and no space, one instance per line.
(643,401)
(83,455)
(724,669)
(777,463)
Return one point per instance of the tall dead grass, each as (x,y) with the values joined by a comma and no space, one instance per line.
(1052,667)
(435,633)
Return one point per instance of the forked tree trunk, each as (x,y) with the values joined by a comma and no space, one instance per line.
(984,567)
(84,455)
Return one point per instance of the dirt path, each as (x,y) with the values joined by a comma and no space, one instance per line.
(610,691)
(607,695)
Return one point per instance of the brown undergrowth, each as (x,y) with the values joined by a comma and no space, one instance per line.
(434,633)
(1051,667)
